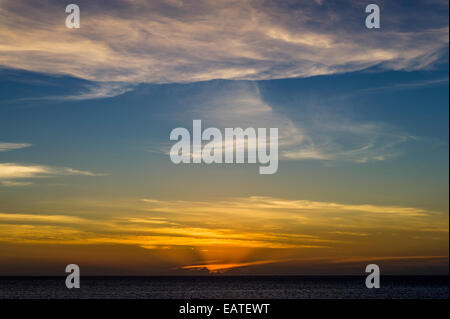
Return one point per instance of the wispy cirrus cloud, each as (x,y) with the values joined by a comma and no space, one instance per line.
(406,86)
(97,90)
(17,174)
(289,207)
(40,218)
(11,172)
(187,41)
(349,141)
(12,146)
(329,137)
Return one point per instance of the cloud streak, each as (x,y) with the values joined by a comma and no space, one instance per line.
(220,268)
(98,90)
(240,232)
(327,137)
(11,172)
(12,146)
(281,223)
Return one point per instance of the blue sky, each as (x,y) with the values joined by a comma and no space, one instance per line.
(107,134)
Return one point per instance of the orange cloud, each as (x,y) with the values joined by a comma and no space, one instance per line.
(220,268)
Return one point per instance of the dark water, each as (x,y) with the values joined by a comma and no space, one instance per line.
(225,287)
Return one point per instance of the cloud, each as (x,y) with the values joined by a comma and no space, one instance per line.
(14,183)
(280,224)
(214,268)
(40,218)
(289,207)
(406,86)
(345,233)
(385,258)
(233,233)
(99,90)
(188,41)
(319,135)
(12,146)
(10,172)
(349,141)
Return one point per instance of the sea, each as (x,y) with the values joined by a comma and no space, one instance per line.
(226,287)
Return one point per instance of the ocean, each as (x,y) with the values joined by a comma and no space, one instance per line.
(226,287)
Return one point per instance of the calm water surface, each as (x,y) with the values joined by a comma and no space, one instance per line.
(225,287)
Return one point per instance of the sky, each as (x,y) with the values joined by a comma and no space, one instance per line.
(86,115)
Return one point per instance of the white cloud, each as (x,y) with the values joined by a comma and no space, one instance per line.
(10,172)
(328,137)
(99,90)
(352,141)
(271,205)
(12,146)
(187,41)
